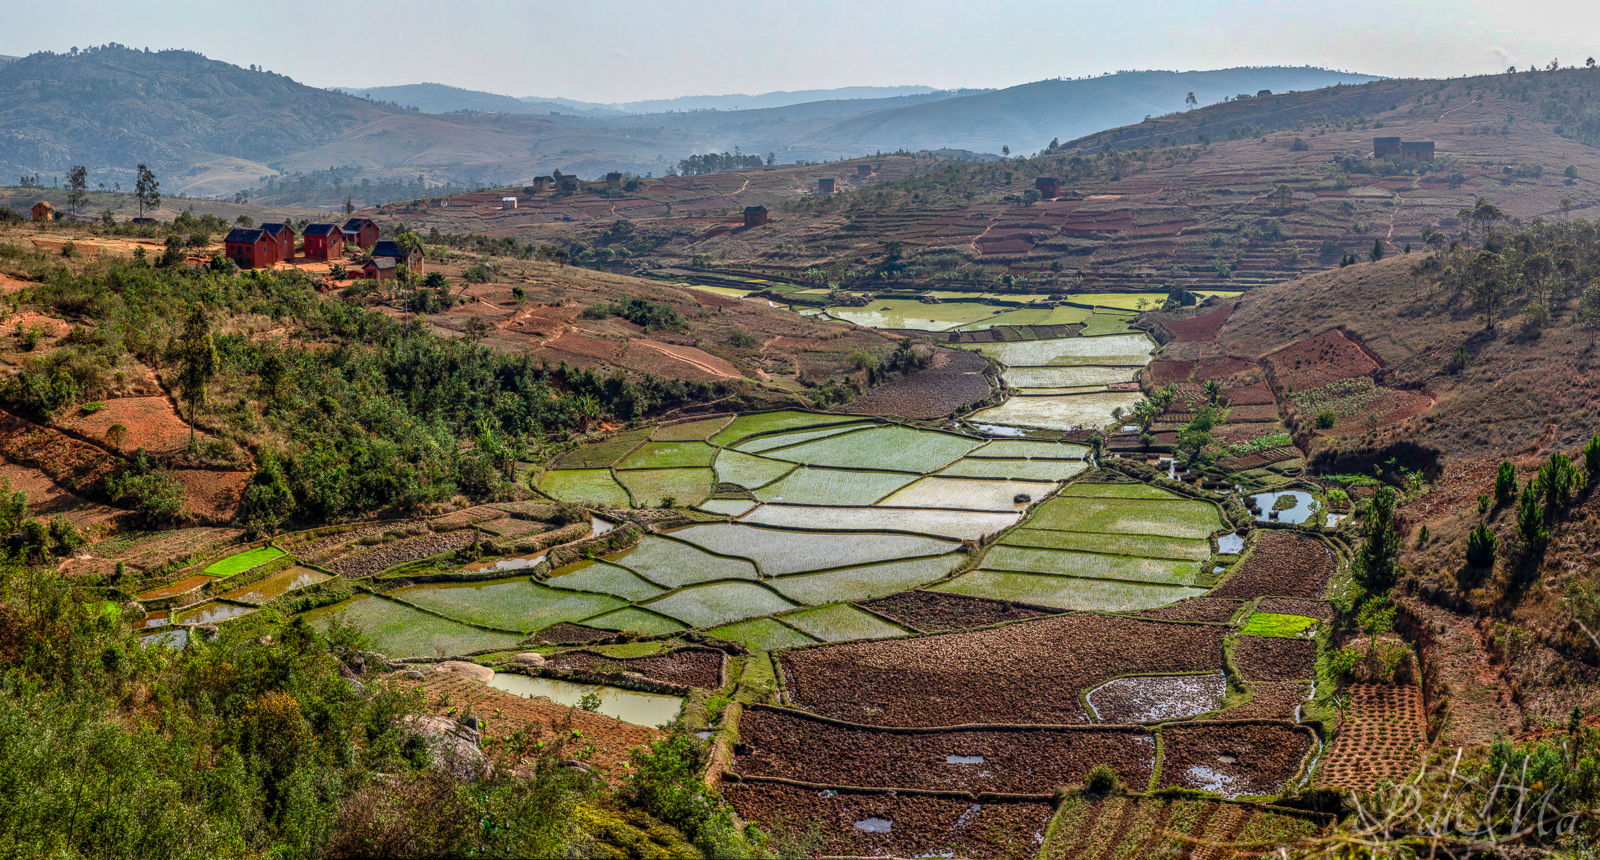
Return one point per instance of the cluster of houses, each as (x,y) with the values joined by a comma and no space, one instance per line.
(1418,150)
(261,247)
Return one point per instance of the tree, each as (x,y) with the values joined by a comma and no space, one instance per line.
(348,206)
(147,191)
(1377,250)
(197,363)
(1283,195)
(1571,172)
(1191,101)
(1505,483)
(77,188)
(1005,150)
(1377,561)
(1488,286)
(1591,461)
(1531,525)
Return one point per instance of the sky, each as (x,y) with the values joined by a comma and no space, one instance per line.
(628,50)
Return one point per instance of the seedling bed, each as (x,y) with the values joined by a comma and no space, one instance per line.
(1283,564)
(1029,672)
(1383,737)
(789,745)
(1234,759)
(669,455)
(687,667)
(1153,698)
(1321,610)
(241,562)
(1089,827)
(919,825)
(1272,658)
(937,612)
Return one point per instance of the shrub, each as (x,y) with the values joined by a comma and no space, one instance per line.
(1505,483)
(1100,780)
(1326,419)
(1376,567)
(116,436)
(741,339)
(477,273)
(1481,546)
(1591,460)
(665,782)
(93,406)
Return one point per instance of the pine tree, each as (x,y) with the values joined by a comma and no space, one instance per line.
(1377,562)
(197,363)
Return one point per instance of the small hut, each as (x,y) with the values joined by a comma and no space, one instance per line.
(43,211)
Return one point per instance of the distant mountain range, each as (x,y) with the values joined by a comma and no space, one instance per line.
(212,128)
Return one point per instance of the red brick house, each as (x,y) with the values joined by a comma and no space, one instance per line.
(1048,187)
(390,250)
(360,232)
(755,216)
(282,234)
(863,170)
(824,186)
(613,179)
(250,249)
(43,211)
(324,242)
(378,269)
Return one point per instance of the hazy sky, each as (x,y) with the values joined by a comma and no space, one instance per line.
(624,50)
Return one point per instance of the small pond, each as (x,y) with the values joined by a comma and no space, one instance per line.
(643,709)
(600,527)
(175,638)
(517,562)
(1230,544)
(280,583)
(1305,505)
(1000,430)
(211,613)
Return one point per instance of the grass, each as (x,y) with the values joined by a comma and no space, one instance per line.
(1101,325)
(635,619)
(670,455)
(764,634)
(896,449)
(807,486)
(767,422)
(588,486)
(675,564)
(959,525)
(780,552)
(1063,592)
(1272,624)
(842,622)
(1146,546)
(747,471)
(241,562)
(863,583)
(604,578)
(400,631)
(719,603)
(1169,518)
(517,603)
(649,487)
(969,493)
(1030,470)
(1094,565)
(912,314)
(599,454)
(1123,301)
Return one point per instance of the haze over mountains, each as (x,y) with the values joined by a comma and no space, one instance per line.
(212,128)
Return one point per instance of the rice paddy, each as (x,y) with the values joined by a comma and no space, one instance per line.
(897,449)
(601,454)
(1016,316)
(863,583)
(650,487)
(517,603)
(780,552)
(807,486)
(1118,491)
(241,562)
(635,620)
(675,564)
(1123,301)
(731,507)
(719,603)
(971,494)
(765,634)
(1101,325)
(958,525)
(1092,565)
(1149,546)
(689,430)
(768,422)
(594,487)
(1064,377)
(1028,470)
(669,455)
(1123,350)
(400,631)
(734,467)
(913,314)
(1181,518)
(1065,592)
(1029,449)
(842,622)
(604,578)
(278,584)
(1060,412)
(763,444)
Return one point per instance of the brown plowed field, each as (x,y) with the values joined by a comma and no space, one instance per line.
(784,744)
(1274,658)
(567,633)
(211,497)
(1128,828)
(1248,414)
(325,549)
(1317,361)
(157,548)
(389,555)
(937,612)
(1164,372)
(539,720)
(690,667)
(1195,609)
(1384,737)
(1274,700)
(1232,760)
(1222,367)
(1028,672)
(1283,564)
(1203,327)
(152,424)
(72,464)
(918,826)
(955,380)
(47,498)
(1255,394)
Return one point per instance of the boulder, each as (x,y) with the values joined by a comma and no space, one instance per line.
(482,674)
(454,747)
(530,659)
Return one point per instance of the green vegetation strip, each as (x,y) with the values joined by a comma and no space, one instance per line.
(1171,518)
(1147,546)
(1271,624)
(765,634)
(1091,565)
(841,622)
(243,561)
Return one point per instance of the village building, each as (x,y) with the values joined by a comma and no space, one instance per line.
(824,186)
(143,221)
(360,232)
(755,216)
(324,242)
(390,250)
(250,248)
(1417,150)
(863,170)
(283,234)
(1049,187)
(508,203)
(377,269)
(613,179)
(541,183)
(43,211)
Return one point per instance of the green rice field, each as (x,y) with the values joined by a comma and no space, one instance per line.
(603,453)
(768,422)
(959,525)
(764,634)
(1017,316)
(731,507)
(637,620)
(970,493)
(1147,546)
(1091,565)
(1084,489)
(782,440)
(689,430)
(1124,301)
(400,631)
(912,314)
(842,622)
(747,471)
(604,578)
(686,486)
(897,449)
(1028,470)
(1060,412)
(675,564)
(594,487)
(516,603)
(780,552)
(1065,592)
(1271,624)
(669,455)
(862,583)
(807,486)
(719,603)
(241,562)
(1101,325)
(278,584)
(1170,518)
(1028,449)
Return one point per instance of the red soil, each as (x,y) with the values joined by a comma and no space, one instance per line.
(1203,327)
(1282,564)
(1317,361)
(1384,737)
(151,422)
